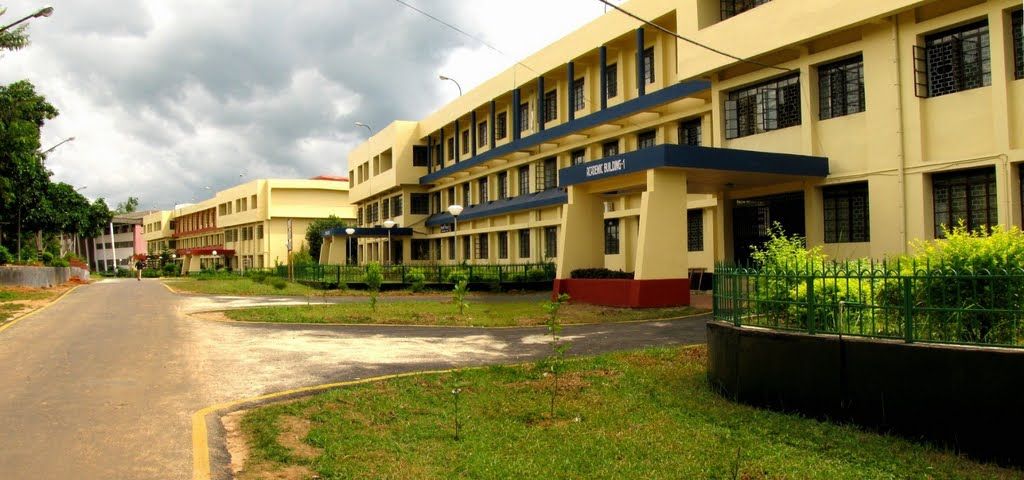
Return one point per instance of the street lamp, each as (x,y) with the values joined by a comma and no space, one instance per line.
(442,77)
(367,127)
(351,231)
(389,224)
(215,262)
(42,12)
(62,142)
(455,210)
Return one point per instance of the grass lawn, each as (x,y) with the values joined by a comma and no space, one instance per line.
(644,414)
(479,314)
(14,300)
(238,286)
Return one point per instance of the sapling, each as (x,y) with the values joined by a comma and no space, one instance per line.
(461,281)
(558,348)
(374,278)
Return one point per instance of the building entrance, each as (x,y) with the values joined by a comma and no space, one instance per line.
(753,219)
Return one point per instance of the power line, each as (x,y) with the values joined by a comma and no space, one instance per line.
(694,42)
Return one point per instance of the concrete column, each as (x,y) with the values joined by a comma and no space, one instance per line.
(640,82)
(571,76)
(661,248)
(540,104)
(515,113)
(472,134)
(602,65)
(580,244)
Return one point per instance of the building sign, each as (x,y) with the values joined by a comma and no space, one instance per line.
(602,168)
(446,227)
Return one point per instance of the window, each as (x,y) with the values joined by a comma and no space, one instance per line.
(419,203)
(609,149)
(467,248)
(577,94)
(396,206)
(481,133)
(841,88)
(689,132)
(968,196)
(731,8)
(524,244)
(763,107)
(524,180)
(481,247)
(482,190)
(611,80)
(550,106)
(1016,19)
(435,202)
(502,244)
(578,156)
(451,148)
(501,125)
(259,232)
(546,179)
(611,237)
(695,230)
(465,142)
(359,216)
(953,60)
(420,157)
(451,196)
(386,207)
(451,248)
(524,117)
(467,199)
(253,201)
(420,249)
(645,140)
(649,65)
(550,242)
(846,213)
(502,185)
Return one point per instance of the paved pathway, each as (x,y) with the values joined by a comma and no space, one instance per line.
(102,384)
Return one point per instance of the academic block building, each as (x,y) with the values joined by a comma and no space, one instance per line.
(861,125)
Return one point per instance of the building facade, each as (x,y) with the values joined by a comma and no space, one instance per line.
(859,125)
(247,226)
(119,243)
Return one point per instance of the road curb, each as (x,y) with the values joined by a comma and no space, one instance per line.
(10,323)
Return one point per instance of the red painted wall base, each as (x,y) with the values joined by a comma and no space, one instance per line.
(672,292)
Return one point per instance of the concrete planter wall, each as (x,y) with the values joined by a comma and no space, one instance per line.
(40,276)
(964,398)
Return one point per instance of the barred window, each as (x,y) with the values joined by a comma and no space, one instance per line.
(609,149)
(648,57)
(435,202)
(546,175)
(451,148)
(689,132)
(550,106)
(500,125)
(481,134)
(577,94)
(359,216)
(481,247)
(467,247)
(550,242)
(846,213)
(259,232)
(841,88)
(524,116)
(482,190)
(386,207)
(524,244)
(953,60)
(420,249)
(695,230)
(451,196)
(731,8)
(420,203)
(763,107)
(502,244)
(420,158)
(578,156)
(968,196)
(465,141)
(396,206)
(611,79)
(524,180)
(502,185)
(611,236)
(1016,19)
(451,248)
(645,139)
(467,197)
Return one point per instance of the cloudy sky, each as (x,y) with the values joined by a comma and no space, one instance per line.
(167,97)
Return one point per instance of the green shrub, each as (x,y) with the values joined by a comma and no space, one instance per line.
(374,279)
(59,262)
(599,273)
(457,276)
(46,257)
(537,274)
(150,273)
(279,283)
(417,279)
(170,270)
(124,273)
(5,256)
(258,276)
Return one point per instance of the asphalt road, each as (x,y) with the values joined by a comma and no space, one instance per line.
(102,384)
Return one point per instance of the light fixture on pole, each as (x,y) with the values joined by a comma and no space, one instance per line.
(214,259)
(389,224)
(442,77)
(62,142)
(42,12)
(350,231)
(367,127)
(455,210)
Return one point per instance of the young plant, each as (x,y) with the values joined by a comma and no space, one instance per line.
(374,278)
(461,281)
(558,347)
(456,394)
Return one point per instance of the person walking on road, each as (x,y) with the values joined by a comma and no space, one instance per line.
(139,265)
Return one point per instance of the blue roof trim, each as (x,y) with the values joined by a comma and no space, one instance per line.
(694,157)
(499,207)
(369,232)
(600,117)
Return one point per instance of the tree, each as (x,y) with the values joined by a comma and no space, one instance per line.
(14,39)
(127,206)
(314,233)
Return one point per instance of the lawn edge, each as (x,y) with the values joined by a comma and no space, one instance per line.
(10,323)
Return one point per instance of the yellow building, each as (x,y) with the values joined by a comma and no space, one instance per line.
(246,226)
(861,125)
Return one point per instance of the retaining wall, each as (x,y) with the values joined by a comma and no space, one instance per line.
(40,276)
(964,398)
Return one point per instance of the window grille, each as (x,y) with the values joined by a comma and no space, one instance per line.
(841,88)
(546,175)
(524,117)
(451,248)
(465,142)
(578,156)
(952,61)
(611,236)
(420,203)
(501,125)
(648,57)
(451,148)
(502,185)
(1016,19)
(550,242)
(421,249)
(524,244)
(689,132)
(763,107)
(968,196)
(396,206)
(645,140)
(481,134)
(482,190)
(524,180)
(502,244)
(846,213)
(695,230)
(467,247)
(611,76)
(467,198)
(609,149)
(481,247)
(550,106)
(731,8)
(386,207)
(577,94)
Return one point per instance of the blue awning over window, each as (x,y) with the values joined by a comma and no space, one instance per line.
(556,196)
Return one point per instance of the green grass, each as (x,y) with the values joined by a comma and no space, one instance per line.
(239,286)
(645,414)
(479,314)
(10,299)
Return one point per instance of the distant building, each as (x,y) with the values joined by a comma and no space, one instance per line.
(120,241)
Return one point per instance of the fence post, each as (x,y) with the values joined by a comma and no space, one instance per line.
(337,276)
(501,276)
(810,306)
(402,269)
(908,310)
(735,298)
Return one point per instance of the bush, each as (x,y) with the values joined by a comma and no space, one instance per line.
(279,283)
(417,279)
(457,276)
(46,257)
(150,273)
(537,274)
(124,273)
(599,273)
(59,262)
(258,276)
(170,269)
(5,256)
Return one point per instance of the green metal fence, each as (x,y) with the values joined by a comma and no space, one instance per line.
(490,274)
(895,300)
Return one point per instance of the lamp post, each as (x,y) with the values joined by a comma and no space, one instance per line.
(42,12)
(442,77)
(62,142)
(455,210)
(215,260)
(389,224)
(350,231)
